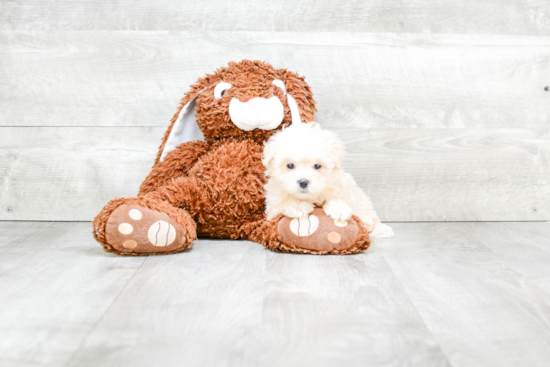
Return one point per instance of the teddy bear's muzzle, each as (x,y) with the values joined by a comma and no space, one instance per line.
(257,113)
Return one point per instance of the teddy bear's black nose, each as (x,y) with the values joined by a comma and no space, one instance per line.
(303,183)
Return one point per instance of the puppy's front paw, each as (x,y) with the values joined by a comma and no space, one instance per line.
(337,210)
(298,210)
(382,231)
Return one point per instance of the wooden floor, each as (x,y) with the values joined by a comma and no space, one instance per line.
(438,294)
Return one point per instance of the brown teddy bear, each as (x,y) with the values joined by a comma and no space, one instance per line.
(214,187)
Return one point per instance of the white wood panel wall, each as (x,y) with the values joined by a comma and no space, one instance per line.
(445,116)
(412,16)
(358,79)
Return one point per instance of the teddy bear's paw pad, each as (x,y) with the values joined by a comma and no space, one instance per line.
(318,232)
(137,229)
(304,226)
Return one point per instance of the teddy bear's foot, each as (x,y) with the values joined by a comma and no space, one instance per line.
(133,229)
(319,234)
(316,234)
(137,229)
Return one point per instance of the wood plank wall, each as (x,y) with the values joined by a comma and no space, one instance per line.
(442,106)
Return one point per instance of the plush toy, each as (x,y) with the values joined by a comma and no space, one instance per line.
(208,178)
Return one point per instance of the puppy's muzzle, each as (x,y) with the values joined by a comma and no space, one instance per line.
(303,183)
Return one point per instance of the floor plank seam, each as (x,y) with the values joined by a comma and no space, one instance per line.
(418,313)
(27,231)
(103,315)
(519,274)
(20,235)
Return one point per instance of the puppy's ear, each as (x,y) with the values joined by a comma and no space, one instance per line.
(269,153)
(336,150)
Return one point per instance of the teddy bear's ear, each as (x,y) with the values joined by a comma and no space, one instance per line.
(294,110)
(183,127)
(299,98)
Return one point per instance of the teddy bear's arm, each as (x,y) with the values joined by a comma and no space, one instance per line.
(176,164)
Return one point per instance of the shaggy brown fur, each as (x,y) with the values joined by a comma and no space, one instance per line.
(219,183)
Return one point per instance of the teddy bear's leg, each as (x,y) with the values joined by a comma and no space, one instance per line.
(158,222)
(143,226)
(315,234)
(176,164)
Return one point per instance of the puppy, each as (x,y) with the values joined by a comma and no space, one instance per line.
(303,167)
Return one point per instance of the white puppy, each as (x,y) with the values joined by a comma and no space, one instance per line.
(304,169)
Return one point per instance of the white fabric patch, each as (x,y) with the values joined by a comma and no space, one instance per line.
(294,110)
(130,244)
(220,88)
(257,113)
(185,129)
(125,228)
(304,226)
(135,214)
(161,233)
(280,84)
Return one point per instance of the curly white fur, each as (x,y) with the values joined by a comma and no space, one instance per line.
(304,169)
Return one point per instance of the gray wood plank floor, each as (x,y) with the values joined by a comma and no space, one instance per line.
(438,294)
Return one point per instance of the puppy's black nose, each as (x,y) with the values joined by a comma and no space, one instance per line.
(303,183)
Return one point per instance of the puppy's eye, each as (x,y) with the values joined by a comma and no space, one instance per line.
(317,166)
(221,89)
(290,166)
